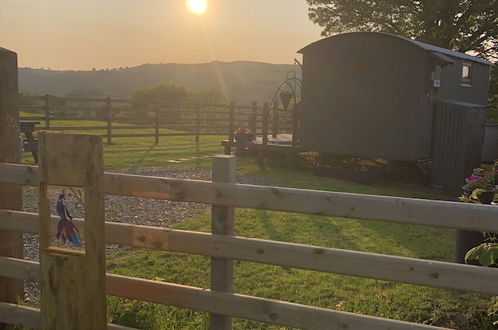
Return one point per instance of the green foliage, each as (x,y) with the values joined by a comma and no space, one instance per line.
(486,254)
(82,92)
(162,94)
(26,101)
(168,94)
(462,25)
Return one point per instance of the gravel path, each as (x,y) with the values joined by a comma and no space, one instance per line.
(132,210)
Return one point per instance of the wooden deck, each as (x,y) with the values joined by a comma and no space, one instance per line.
(281,143)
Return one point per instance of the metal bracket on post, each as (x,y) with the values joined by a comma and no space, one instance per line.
(73,281)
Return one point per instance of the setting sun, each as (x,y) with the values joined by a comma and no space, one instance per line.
(197,7)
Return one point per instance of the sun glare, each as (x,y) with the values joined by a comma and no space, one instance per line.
(197,7)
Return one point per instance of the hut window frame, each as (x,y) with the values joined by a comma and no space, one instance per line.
(466,78)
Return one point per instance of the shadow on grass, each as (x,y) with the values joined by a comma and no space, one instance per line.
(141,160)
(425,242)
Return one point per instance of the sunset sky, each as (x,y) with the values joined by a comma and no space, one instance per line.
(86,34)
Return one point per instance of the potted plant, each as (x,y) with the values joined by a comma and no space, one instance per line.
(480,188)
(243,134)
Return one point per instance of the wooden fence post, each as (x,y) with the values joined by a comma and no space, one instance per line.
(108,114)
(47,111)
(275,124)
(11,243)
(222,224)
(295,126)
(231,122)
(266,117)
(72,281)
(252,118)
(156,124)
(197,123)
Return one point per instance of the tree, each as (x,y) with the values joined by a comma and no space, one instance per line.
(86,93)
(462,25)
(160,95)
(209,95)
(168,94)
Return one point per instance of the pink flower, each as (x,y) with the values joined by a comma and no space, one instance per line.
(473,178)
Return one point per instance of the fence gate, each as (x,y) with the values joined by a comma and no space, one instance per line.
(72,279)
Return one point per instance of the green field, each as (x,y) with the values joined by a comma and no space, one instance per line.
(132,152)
(371,297)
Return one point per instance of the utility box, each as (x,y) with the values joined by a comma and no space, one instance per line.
(490,147)
(458,136)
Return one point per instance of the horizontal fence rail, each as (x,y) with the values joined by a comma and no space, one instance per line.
(30,317)
(369,265)
(444,214)
(116,113)
(247,307)
(227,304)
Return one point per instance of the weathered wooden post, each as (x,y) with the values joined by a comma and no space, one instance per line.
(73,281)
(197,124)
(295,126)
(108,116)
(222,224)
(11,243)
(231,129)
(252,118)
(264,137)
(275,119)
(156,126)
(231,123)
(266,117)
(47,111)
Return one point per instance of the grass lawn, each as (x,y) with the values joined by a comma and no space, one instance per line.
(371,297)
(133,152)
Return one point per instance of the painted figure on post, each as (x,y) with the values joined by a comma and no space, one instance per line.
(66,230)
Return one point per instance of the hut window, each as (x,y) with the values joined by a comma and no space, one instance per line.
(466,74)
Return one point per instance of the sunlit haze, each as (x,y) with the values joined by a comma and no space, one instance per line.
(61,34)
(197,6)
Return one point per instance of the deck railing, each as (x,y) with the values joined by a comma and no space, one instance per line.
(222,246)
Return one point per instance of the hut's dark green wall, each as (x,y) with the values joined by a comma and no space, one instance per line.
(452,89)
(384,112)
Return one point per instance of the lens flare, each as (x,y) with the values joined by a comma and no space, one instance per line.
(197,7)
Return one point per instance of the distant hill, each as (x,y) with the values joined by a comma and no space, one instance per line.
(242,82)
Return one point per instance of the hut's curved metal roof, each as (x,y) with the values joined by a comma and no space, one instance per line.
(4,50)
(423,45)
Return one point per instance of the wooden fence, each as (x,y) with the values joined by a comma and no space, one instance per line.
(187,119)
(223,247)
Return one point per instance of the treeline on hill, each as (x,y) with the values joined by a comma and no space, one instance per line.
(174,98)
